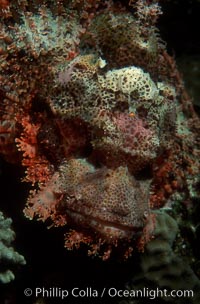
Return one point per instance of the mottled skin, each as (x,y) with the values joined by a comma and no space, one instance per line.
(94,108)
(110,202)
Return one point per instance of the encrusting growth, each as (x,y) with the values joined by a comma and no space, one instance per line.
(8,256)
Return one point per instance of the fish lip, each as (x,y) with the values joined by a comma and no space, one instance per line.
(106,228)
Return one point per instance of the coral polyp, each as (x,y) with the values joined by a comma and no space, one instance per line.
(94,108)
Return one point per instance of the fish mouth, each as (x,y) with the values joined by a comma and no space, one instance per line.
(107,229)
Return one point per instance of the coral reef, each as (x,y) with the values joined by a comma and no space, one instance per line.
(161,267)
(95,110)
(8,256)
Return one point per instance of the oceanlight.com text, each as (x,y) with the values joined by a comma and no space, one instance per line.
(111,292)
